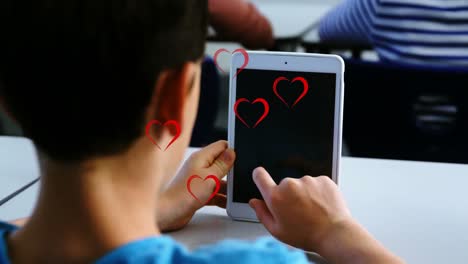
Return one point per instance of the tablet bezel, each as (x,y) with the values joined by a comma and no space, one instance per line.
(284,61)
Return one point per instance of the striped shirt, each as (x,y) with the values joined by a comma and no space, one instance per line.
(417,32)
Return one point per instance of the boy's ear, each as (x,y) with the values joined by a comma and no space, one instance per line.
(172,91)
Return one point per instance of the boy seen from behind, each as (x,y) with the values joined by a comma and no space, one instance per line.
(83,78)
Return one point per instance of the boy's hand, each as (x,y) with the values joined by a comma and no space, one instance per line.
(310,213)
(299,212)
(176,204)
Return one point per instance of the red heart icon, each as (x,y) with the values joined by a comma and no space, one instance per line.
(213,177)
(156,122)
(266,106)
(304,91)
(244,53)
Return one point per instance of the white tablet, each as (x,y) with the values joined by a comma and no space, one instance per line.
(285,114)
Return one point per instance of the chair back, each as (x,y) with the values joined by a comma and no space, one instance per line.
(404,112)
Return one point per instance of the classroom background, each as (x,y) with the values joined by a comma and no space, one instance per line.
(406,99)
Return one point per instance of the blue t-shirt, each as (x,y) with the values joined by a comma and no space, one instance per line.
(164,250)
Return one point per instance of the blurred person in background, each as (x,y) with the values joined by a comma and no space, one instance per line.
(414,32)
(240,21)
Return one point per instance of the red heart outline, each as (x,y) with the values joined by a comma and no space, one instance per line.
(304,91)
(169,122)
(213,177)
(266,106)
(244,53)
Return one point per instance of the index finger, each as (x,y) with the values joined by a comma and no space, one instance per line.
(264,183)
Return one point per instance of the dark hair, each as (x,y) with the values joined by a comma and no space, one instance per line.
(78,75)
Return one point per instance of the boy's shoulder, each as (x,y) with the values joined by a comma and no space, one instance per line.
(264,250)
(164,250)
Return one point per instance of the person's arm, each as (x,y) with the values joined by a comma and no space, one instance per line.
(310,213)
(239,20)
(176,206)
(349,242)
(348,23)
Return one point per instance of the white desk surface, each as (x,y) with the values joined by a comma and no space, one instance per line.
(418,210)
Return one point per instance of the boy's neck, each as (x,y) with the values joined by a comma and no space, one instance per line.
(86,210)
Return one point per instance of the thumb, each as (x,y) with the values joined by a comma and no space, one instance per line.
(223,163)
(263,213)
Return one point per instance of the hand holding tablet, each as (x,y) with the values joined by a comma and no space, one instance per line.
(286,116)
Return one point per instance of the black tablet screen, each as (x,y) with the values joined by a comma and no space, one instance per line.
(285,123)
